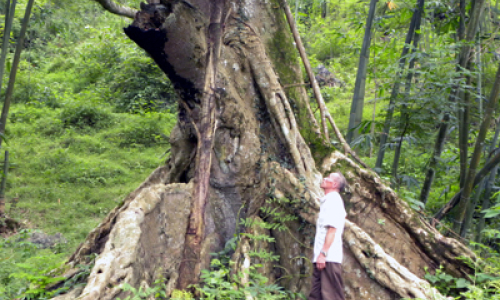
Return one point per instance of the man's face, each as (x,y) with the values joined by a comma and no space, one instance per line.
(329,182)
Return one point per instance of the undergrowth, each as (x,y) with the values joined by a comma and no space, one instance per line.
(89,121)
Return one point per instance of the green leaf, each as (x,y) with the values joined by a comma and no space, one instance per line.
(462,283)
(491,213)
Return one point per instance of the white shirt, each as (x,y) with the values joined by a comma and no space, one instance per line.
(331,214)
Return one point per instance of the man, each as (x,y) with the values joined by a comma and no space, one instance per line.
(327,282)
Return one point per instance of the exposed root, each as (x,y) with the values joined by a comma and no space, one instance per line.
(290,186)
(384,268)
(133,256)
(276,101)
(95,241)
(8,226)
(245,266)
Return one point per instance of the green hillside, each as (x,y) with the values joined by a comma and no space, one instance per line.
(90,121)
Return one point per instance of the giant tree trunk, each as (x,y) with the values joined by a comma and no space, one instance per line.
(239,140)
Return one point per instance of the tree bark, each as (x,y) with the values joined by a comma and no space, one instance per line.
(395,89)
(397,155)
(309,71)
(405,116)
(4,182)
(476,155)
(358,98)
(464,126)
(487,168)
(485,204)
(111,6)
(463,60)
(479,191)
(257,154)
(433,162)
(13,70)
(10,10)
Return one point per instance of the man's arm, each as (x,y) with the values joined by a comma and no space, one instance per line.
(330,236)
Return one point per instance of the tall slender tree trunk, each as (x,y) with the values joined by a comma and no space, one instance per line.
(464,58)
(324,9)
(476,155)
(374,110)
(358,97)
(485,170)
(463,128)
(395,89)
(4,182)
(479,68)
(13,70)
(463,108)
(479,190)
(9,17)
(490,181)
(405,116)
(433,162)
(397,155)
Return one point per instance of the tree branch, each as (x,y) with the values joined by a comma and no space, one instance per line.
(307,65)
(347,148)
(116,9)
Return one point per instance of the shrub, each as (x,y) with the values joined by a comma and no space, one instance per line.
(140,86)
(31,89)
(146,131)
(85,116)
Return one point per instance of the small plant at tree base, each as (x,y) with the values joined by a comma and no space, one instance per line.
(181,295)
(39,279)
(157,290)
(221,283)
(483,284)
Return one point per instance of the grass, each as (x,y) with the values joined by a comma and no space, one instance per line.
(79,174)
(68,177)
(78,144)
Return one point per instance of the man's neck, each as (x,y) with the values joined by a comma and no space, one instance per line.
(328,191)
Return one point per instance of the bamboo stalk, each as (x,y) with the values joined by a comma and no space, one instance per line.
(9,16)
(4,181)
(13,71)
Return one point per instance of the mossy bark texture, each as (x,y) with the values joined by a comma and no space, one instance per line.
(240,144)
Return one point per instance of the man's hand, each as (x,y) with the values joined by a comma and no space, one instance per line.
(321,262)
(330,236)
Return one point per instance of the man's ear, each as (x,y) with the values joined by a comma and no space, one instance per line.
(335,182)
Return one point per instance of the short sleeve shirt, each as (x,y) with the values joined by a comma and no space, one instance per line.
(331,214)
